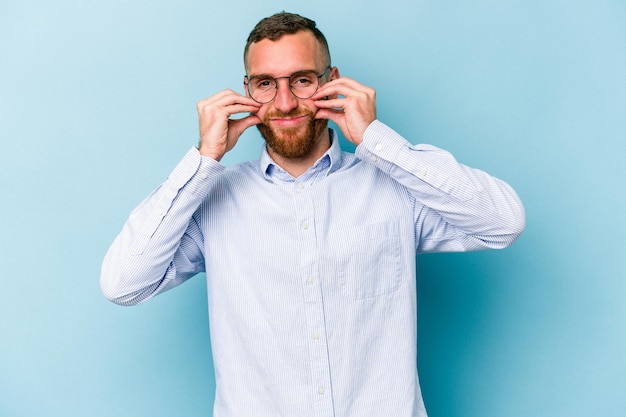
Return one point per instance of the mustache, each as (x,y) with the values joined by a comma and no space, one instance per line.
(293,113)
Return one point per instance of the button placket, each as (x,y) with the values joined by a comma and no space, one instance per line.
(319,361)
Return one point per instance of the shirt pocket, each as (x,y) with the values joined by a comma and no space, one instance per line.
(370,261)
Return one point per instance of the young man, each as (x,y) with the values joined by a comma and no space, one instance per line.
(309,253)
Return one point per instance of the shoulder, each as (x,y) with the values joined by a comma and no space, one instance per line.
(241,175)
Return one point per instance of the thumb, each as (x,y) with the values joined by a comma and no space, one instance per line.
(329,114)
(240,125)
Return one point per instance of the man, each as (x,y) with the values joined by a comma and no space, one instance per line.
(309,253)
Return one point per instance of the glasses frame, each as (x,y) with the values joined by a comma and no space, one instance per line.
(246,82)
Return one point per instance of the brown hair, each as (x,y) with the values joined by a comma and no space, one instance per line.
(283,23)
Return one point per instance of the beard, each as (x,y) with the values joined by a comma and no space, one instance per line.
(292,142)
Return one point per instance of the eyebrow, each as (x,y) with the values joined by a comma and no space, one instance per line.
(265,75)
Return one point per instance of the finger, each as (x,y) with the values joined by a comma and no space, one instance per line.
(226,98)
(240,108)
(346,88)
(215,98)
(238,99)
(233,102)
(337,86)
(335,103)
(330,114)
(242,124)
(226,109)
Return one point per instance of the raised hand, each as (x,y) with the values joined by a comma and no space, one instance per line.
(218,132)
(352,106)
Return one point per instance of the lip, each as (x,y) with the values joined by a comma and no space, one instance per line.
(289,121)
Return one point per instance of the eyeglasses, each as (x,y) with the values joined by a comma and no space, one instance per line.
(303,84)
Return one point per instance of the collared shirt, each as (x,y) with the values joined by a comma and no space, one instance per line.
(311,280)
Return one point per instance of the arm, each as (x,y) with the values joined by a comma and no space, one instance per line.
(457,208)
(160,246)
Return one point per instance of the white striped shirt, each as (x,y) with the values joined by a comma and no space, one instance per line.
(311,280)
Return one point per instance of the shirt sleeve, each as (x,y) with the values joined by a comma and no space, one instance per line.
(159,246)
(457,208)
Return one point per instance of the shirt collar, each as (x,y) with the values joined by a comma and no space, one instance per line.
(326,164)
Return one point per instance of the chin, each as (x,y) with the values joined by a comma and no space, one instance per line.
(294,143)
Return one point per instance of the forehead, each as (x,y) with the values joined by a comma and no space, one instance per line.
(290,53)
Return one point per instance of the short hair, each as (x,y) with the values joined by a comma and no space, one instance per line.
(283,23)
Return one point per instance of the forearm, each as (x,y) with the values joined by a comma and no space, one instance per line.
(480,211)
(157,248)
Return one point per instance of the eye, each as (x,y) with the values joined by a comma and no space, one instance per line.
(302,80)
(263,83)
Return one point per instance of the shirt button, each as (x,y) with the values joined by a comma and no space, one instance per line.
(321,390)
(374,158)
(204,175)
(300,186)
(310,281)
(305,226)
(316,336)
(423,172)
(379,147)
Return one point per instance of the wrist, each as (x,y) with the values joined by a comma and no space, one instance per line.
(210,152)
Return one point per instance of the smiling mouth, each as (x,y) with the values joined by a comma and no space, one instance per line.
(289,121)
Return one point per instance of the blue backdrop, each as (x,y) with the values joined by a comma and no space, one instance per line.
(97,104)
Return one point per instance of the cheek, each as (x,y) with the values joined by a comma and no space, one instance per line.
(262,112)
(309,105)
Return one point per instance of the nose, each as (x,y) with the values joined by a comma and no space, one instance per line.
(285,101)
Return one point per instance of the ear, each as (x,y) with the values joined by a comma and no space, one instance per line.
(334,74)
(245,86)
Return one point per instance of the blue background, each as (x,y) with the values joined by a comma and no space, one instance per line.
(97,104)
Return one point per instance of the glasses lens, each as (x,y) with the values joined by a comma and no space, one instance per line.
(304,84)
(262,90)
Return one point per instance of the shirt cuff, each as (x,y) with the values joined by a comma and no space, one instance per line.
(195,173)
(381,145)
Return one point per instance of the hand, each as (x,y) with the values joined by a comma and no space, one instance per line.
(218,132)
(353,112)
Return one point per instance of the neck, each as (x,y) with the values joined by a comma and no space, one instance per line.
(299,165)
